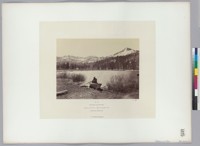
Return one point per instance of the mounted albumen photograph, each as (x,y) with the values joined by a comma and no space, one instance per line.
(98,69)
(104,72)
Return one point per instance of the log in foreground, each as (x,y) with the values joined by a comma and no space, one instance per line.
(62,92)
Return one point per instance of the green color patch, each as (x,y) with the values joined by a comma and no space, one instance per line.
(195,64)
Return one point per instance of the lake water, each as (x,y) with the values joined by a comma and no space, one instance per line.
(103,76)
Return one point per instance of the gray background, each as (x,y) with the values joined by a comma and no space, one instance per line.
(195,42)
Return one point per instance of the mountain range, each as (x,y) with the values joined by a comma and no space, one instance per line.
(127,58)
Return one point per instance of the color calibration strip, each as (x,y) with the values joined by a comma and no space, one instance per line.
(195,52)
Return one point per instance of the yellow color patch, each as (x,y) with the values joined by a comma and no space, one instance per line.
(195,71)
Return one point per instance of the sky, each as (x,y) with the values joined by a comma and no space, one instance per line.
(94,47)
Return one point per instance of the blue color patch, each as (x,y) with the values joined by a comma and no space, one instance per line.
(196,57)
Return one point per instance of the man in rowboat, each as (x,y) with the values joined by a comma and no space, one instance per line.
(95,85)
(94,80)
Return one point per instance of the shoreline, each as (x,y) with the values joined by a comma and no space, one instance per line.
(75,91)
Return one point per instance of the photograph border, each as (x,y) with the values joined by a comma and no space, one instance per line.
(97,68)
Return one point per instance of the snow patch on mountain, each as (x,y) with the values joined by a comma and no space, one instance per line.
(124,52)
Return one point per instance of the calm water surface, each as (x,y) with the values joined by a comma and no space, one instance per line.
(103,76)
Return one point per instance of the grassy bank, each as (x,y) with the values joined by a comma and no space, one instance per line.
(124,84)
(77,92)
(73,77)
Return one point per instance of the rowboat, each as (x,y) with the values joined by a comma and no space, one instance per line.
(96,86)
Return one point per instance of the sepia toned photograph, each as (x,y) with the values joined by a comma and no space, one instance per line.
(97,69)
